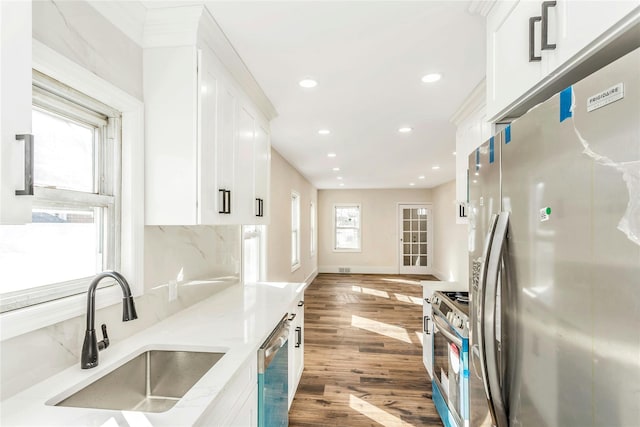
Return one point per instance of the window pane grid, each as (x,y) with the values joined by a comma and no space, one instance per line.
(74,232)
(414,237)
(347,227)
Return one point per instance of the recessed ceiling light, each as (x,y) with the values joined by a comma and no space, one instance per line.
(454,153)
(324,131)
(412,184)
(421,177)
(430,78)
(336,169)
(435,168)
(308,83)
(475,181)
(339,177)
(477,174)
(331,155)
(405,130)
(342,184)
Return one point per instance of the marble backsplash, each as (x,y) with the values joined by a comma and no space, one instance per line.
(202,260)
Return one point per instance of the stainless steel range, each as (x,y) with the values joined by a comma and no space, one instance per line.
(450,313)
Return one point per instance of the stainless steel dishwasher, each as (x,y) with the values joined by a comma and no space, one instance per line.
(273,377)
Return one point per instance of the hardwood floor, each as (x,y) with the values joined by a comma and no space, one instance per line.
(363,354)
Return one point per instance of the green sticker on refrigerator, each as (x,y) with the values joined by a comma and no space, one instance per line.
(545,213)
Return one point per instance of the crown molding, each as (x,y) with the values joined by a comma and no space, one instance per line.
(481,7)
(193,25)
(474,101)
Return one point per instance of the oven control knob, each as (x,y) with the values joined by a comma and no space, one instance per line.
(457,322)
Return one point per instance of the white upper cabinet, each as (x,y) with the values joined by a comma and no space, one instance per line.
(262,166)
(529,41)
(200,122)
(244,202)
(16,143)
(575,24)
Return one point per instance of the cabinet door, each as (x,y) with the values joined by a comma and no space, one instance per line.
(225,148)
(171,135)
(244,202)
(247,414)
(509,71)
(207,162)
(261,170)
(15,98)
(573,25)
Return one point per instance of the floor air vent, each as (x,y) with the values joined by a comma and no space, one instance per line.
(344,269)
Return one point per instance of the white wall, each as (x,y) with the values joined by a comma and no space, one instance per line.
(379,216)
(284,179)
(450,239)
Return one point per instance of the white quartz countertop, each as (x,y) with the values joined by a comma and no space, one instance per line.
(236,321)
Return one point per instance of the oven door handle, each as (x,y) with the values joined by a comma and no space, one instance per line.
(444,329)
(498,246)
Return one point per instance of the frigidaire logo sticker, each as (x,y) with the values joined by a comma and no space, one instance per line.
(606,97)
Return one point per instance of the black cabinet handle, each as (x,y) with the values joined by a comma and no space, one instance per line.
(300,303)
(224,200)
(258,207)
(298,336)
(425,325)
(261,207)
(28,165)
(545,25)
(532,37)
(293,316)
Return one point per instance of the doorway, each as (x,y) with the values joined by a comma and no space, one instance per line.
(415,231)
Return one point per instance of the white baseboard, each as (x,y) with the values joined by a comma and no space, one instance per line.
(358,269)
(310,277)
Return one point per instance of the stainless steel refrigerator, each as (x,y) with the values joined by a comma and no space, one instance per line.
(554,253)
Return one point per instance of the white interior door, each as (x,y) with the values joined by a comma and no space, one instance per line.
(416,237)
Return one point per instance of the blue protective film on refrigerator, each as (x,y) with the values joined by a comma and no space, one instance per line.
(507,134)
(566,99)
(477,159)
(491,150)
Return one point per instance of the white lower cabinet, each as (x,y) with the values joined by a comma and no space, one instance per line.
(247,414)
(296,346)
(427,331)
(237,404)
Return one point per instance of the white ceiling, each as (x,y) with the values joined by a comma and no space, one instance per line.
(368,58)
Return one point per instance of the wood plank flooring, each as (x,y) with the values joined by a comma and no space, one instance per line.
(363,354)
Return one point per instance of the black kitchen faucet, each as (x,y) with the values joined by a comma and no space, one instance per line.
(91,347)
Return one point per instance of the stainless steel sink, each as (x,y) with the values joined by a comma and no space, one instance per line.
(153,381)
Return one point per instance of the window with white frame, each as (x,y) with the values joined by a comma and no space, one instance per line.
(347,234)
(75,228)
(295,230)
(312,229)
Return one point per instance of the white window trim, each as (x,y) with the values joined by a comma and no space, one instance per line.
(313,225)
(297,265)
(54,65)
(333,213)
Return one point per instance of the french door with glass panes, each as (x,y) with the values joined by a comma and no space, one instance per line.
(415,225)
